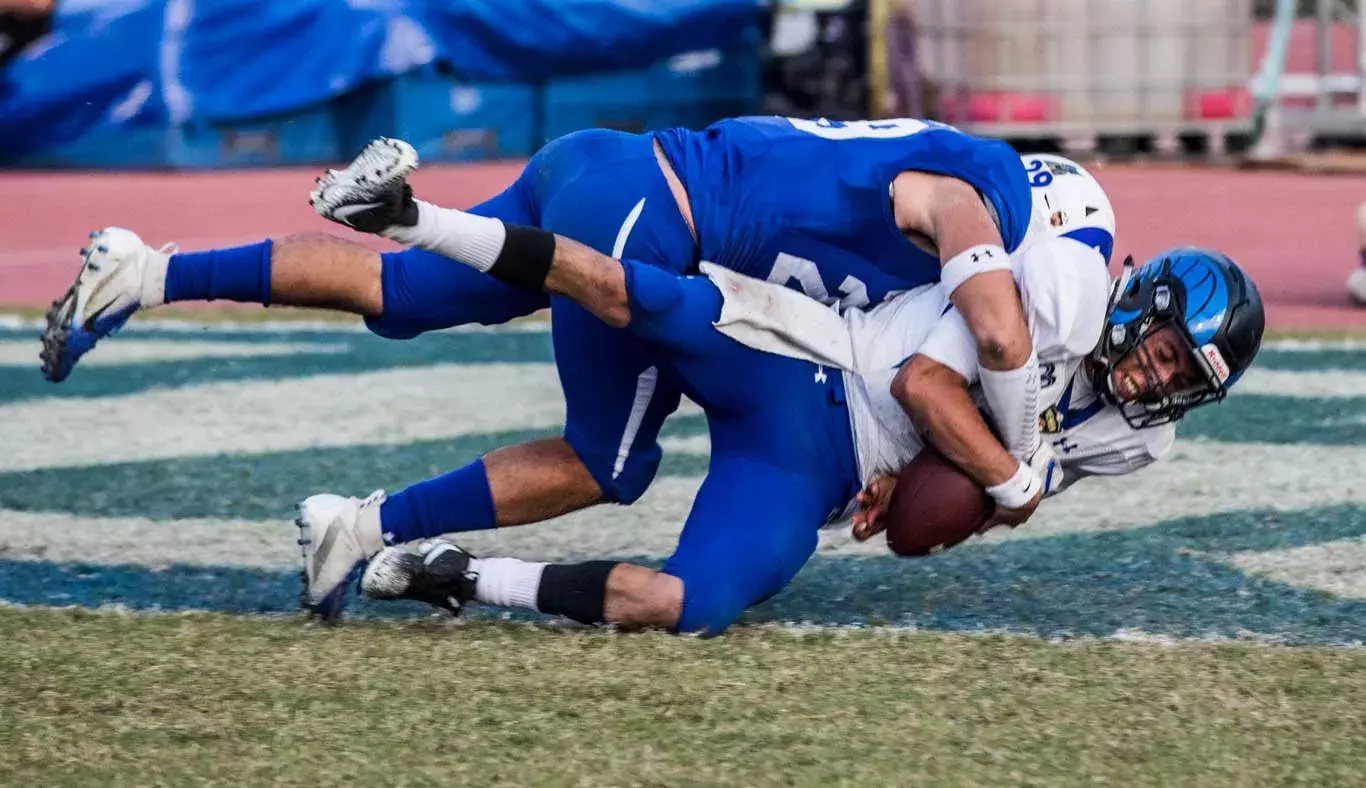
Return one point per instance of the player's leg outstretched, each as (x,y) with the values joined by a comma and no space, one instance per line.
(120,274)
(400,294)
(116,279)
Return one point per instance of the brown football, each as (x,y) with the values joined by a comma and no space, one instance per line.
(934,506)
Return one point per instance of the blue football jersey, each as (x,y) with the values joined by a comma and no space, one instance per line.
(807,202)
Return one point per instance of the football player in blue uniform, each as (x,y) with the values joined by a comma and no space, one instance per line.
(806,408)
(844,212)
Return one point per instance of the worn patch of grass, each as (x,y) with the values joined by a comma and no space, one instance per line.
(100,699)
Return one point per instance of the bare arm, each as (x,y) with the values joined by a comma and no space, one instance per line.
(592,279)
(936,398)
(950,215)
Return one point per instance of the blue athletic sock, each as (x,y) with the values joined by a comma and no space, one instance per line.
(457,501)
(240,273)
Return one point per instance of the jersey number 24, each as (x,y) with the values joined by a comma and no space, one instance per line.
(854,292)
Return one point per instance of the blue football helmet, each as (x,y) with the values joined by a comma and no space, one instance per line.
(1214,309)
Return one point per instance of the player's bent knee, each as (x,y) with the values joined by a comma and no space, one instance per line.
(621,482)
(710,606)
(626,488)
(396,321)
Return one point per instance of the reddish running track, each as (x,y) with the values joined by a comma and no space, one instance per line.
(1294,232)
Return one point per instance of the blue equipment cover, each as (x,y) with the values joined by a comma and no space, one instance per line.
(140,63)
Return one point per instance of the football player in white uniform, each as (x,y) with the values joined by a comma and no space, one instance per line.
(809,410)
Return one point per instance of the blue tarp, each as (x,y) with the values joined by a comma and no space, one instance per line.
(154,62)
(93,71)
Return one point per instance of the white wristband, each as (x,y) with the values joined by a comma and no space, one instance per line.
(970,262)
(1018,490)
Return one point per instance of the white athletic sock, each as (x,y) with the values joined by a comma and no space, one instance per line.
(154,279)
(510,582)
(472,240)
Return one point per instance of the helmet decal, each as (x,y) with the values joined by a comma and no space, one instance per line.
(1069,202)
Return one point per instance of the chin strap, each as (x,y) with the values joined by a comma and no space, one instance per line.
(1126,274)
(1102,364)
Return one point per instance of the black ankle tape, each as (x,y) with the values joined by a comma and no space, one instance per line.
(575,591)
(525,258)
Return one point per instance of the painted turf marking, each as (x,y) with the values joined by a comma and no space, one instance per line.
(1337,568)
(390,407)
(1203,477)
(61,538)
(1198,480)
(16,353)
(1304,383)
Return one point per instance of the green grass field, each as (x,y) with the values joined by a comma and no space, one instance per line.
(1132,634)
(109,699)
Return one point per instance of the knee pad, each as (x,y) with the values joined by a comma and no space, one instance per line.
(651,290)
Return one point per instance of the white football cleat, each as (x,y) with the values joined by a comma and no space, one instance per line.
(119,275)
(338,536)
(372,193)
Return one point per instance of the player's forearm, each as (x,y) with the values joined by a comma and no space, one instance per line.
(990,304)
(977,277)
(936,399)
(525,257)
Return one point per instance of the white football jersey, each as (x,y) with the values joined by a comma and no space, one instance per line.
(1065,289)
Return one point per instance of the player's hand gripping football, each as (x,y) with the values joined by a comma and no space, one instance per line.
(870,519)
(1044,463)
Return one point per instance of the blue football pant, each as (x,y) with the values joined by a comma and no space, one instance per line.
(603,189)
(782,450)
